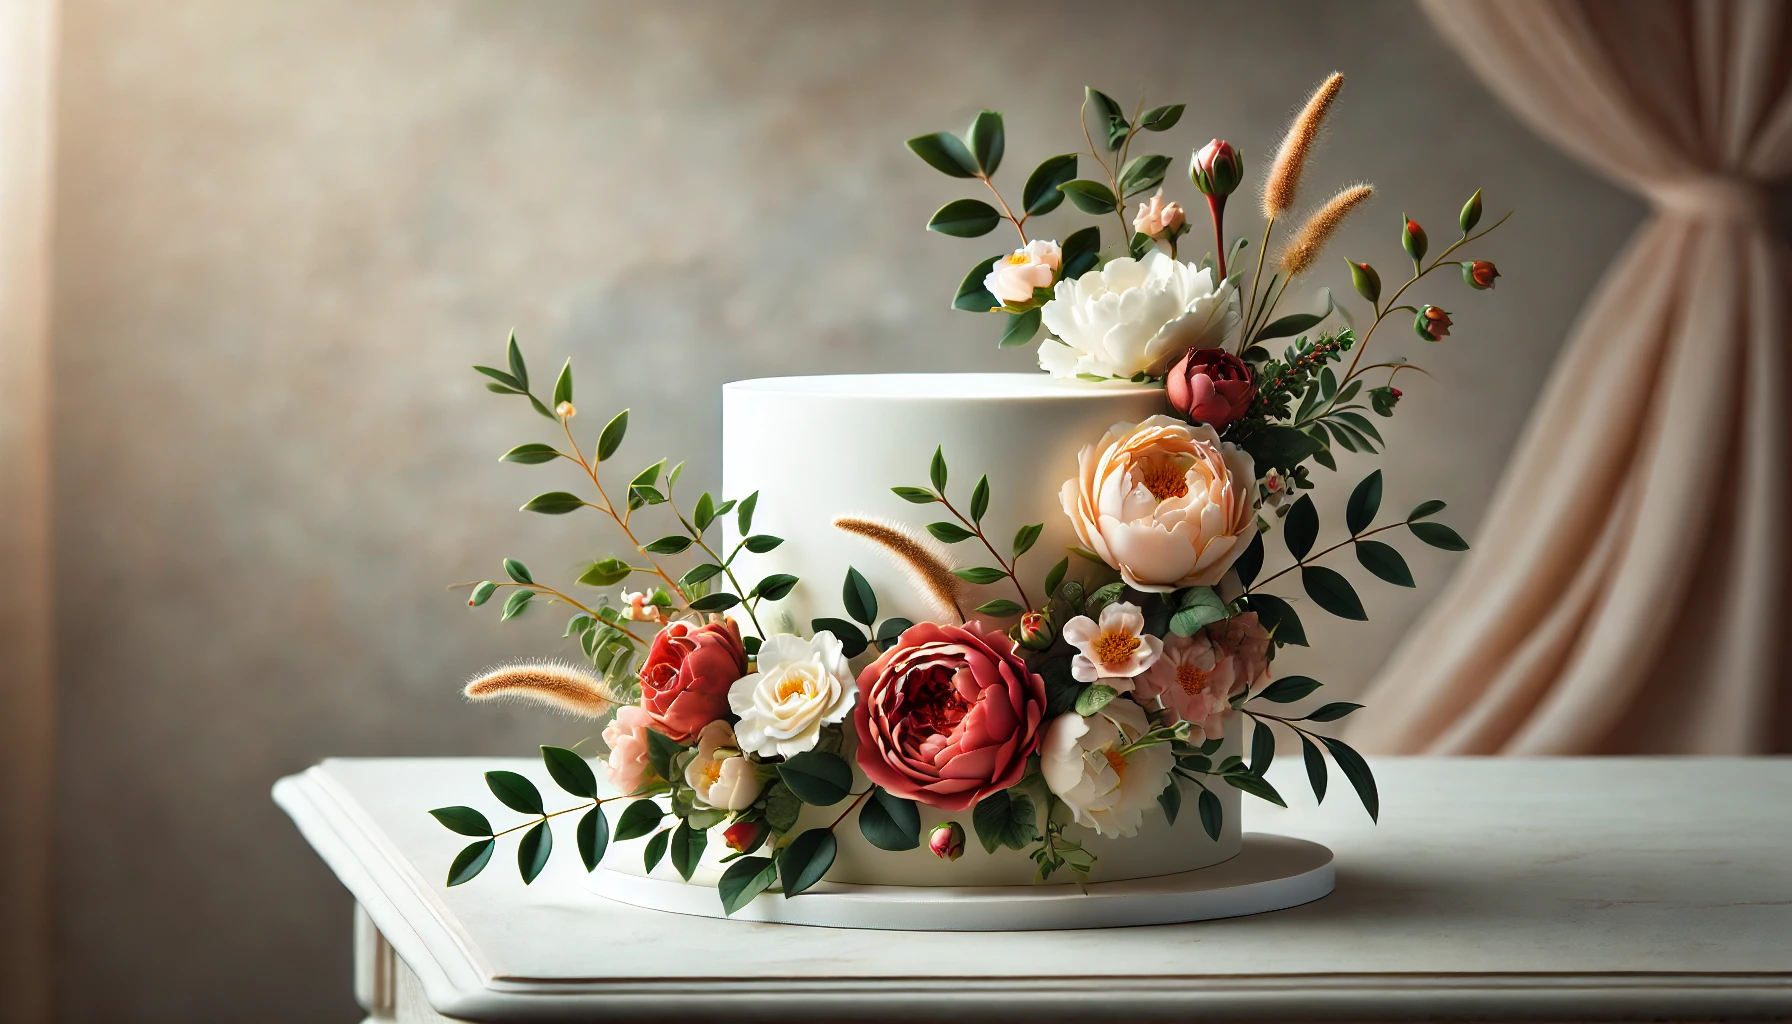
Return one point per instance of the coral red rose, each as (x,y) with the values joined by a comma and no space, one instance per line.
(684,683)
(1211,386)
(948,715)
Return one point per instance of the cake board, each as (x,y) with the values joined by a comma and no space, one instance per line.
(1271,872)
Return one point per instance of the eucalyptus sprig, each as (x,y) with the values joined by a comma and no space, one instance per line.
(971,526)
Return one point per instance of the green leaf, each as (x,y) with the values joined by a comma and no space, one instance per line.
(1296,323)
(470,861)
(1385,562)
(1055,575)
(687,849)
(760,543)
(1213,813)
(950,533)
(981,574)
(936,469)
(1140,245)
(1061,688)
(1280,448)
(517,369)
(570,771)
(563,384)
(1142,173)
(1251,562)
(1357,771)
(515,792)
(1288,689)
(465,820)
(1333,711)
(671,544)
(1026,537)
(852,639)
(510,383)
(1041,195)
(1365,502)
(1001,608)
(672,477)
(1103,596)
(1171,800)
(817,778)
(1279,618)
(964,218)
(553,503)
(530,454)
(892,629)
(1301,527)
(1020,328)
(593,837)
(638,819)
(533,851)
(745,879)
(1331,591)
(517,571)
(1255,786)
(985,139)
(980,499)
(699,573)
(704,512)
(611,438)
(655,850)
(1161,119)
(1263,749)
(1200,606)
(1315,762)
(720,601)
(944,153)
(743,515)
(605,572)
(1108,116)
(856,594)
(482,593)
(806,859)
(889,822)
(1438,536)
(1425,509)
(661,750)
(1090,196)
(1095,697)
(515,603)
(1007,818)
(775,587)
(972,297)
(781,807)
(1080,251)
(915,495)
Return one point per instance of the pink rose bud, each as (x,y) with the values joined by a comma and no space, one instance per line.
(1479,274)
(947,841)
(1211,386)
(1432,323)
(1035,631)
(1217,168)
(1158,218)
(1412,239)
(744,836)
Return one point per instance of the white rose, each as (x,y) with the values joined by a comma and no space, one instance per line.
(1013,278)
(1135,316)
(719,774)
(801,686)
(1105,790)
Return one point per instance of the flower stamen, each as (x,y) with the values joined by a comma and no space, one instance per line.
(1114,648)
(1116,762)
(1191,678)
(1165,480)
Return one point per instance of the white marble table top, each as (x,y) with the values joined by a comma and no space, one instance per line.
(1550,888)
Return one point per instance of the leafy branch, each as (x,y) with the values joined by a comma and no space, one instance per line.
(971,526)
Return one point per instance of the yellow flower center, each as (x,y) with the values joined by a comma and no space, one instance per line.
(1019,258)
(1191,679)
(1165,480)
(1112,648)
(1116,762)
(712,773)
(792,686)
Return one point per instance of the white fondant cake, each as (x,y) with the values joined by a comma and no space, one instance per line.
(817,448)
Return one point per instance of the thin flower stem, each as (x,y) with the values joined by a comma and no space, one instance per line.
(557,595)
(1289,722)
(1019,222)
(1256,279)
(849,809)
(697,535)
(1007,567)
(609,509)
(1352,539)
(556,814)
(1113,182)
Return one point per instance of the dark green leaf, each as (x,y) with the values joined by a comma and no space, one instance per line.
(1026,537)
(530,454)
(972,297)
(515,603)
(605,572)
(944,153)
(482,592)
(775,587)
(533,850)
(1108,116)
(950,533)
(1213,813)
(1331,591)
(1140,245)
(510,383)
(687,849)
(655,850)
(1142,173)
(470,861)
(1280,448)
(1061,688)
(704,512)
(1161,119)
(465,820)
(1315,762)
(1279,619)
(806,859)
(1295,323)
(553,503)
(1095,697)
(889,822)
(699,573)
(1007,818)
(671,544)
(981,574)
(743,514)
(1438,536)
(570,771)
(964,218)
(1365,502)
(517,571)
(1301,527)
(1080,252)
(1263,749)
(745,879)
(856,594)
(1090,196)
(980,499)
(817,778)
(611,438)
(1041,195)
(1357,771)
(515,355)
(593,837)
(1288,689)
(1001,608)
(1425,509)
(1171,800)
(515,792)
(1255,786)
(1055,575)
(852,639)
(661,750)
(985,141)
(781,807)
(760,543)
(936,469)
(1020,329)
(1200,606)
(1333,711)
(499,389)
(1385,562)
(717,602)
(1103,596)
(638,819)
(1251,562)
(563,384)
(916,495)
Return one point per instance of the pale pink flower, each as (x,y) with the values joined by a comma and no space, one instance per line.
(1014,277)
(1113,651)
(1158,218)
(1198,675)
(626,736)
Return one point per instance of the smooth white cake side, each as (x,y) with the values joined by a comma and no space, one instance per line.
(816,448)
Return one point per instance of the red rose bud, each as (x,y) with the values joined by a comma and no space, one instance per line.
(1366,281)
(1396,392)
(1479,274)
(1216,168)
(744,836)
(947,841)
(1412,239)
(1034,632)
(1431,323)
(1211,386)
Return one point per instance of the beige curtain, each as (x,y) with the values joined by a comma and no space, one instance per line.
(1627,591)
(27,33)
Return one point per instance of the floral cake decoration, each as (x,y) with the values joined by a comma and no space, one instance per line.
(1098,699)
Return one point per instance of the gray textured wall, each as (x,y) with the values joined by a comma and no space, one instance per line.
(285,229)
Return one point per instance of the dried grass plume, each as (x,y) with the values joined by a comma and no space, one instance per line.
(927,565)
(573,689)
(1302,251)
(1284,174)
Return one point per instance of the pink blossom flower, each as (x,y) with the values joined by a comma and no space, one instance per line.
(1197,676)
(626,736)
(1158,218)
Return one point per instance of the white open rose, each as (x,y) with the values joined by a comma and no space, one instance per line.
(1083,762)
(801,686)
(1135,316)
(1168,504)
(719,774)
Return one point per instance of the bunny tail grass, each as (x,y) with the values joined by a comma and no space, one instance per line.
(1284,174)
(1302,251)
(565,687)
(925,563)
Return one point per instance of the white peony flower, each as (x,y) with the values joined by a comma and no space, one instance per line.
(719,774)
(1105,790)
(1013,277)
(1135,316)
(801,685)
(1113,651)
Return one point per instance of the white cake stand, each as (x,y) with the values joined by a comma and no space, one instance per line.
(1270,873)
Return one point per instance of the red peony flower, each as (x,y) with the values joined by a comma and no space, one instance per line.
(948,715)
(684,683)
(1211,386)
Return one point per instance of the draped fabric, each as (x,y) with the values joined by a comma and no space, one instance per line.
(1627,590)
(26,60)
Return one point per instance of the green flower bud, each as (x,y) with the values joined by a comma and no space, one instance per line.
(1366,281)
(1471,213)
(1412,239)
